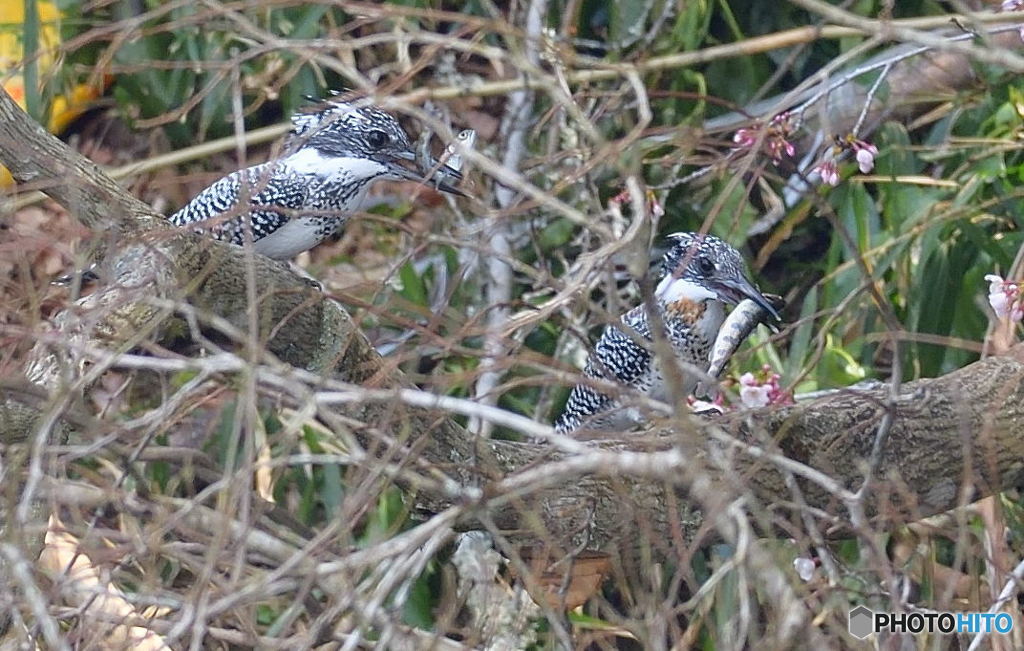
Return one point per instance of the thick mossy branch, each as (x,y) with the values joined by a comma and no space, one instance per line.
(962,431)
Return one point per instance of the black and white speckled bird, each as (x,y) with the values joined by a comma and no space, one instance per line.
(701,274)
(332,157)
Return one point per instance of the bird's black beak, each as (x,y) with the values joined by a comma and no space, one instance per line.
(448,173)
(739,288)
(438,175)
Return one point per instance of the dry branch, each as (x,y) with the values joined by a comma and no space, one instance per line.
(957,435)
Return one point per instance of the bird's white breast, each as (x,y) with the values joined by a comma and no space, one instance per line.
(671,289)
(337,171)
(312,162)
(292,238)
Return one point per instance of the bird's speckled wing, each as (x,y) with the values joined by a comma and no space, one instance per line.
(274,191)
(616,356)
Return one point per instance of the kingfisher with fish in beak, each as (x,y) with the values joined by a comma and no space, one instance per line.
(333,154)
(700,276)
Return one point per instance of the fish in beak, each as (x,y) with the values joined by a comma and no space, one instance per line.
(733,290)
(436,175)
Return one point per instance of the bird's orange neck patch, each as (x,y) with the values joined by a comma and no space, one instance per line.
(688,309)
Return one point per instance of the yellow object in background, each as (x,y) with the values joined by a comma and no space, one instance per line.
(63,108)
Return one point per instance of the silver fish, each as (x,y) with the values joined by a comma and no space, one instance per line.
(466,138)
(447,170)
(735,329)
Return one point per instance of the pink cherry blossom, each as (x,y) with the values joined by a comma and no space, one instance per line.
(753,394)
(804,567)
(828,172)
(776,137)
(1005,298)
(779,146)
(762,389)
(654,205)
(620,198)
(745,138)
(865,153)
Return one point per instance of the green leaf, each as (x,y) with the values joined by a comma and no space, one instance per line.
(307,24)
(332,491)
(587,622)
(224,440)
(627,20)
(384,521)
(413,288)
(837,367)
(896,155)
(691,26)
(30,48)
(800,342)
(556,234)
(418,609)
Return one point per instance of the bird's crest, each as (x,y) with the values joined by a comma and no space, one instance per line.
(338,126)
(325,112)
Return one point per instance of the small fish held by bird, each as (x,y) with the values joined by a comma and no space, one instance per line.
(740,323)
(441,171)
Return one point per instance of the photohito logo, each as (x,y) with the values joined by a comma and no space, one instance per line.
(863,622)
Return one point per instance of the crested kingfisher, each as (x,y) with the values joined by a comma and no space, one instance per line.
(333,155)
(700,275)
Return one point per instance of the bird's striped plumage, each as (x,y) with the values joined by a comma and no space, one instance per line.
(700,275)
(289,207)
(619,358)
(332,157)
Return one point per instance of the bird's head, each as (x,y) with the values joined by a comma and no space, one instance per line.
(340,129)
(703,267)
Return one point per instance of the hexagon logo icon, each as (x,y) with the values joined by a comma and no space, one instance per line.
(860,622)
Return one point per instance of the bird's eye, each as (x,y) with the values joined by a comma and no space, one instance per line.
(377,139)
(705,265)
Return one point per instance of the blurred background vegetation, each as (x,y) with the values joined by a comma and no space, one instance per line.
(140,80)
